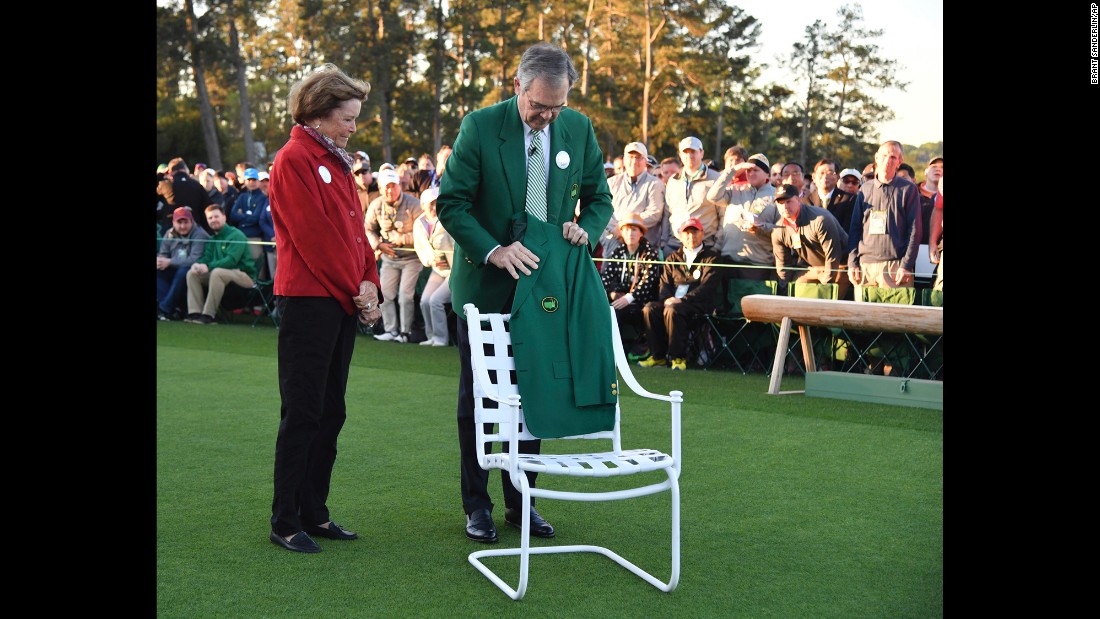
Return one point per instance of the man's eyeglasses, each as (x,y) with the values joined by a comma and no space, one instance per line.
(539,108)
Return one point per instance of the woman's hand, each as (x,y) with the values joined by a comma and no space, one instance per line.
(367,303)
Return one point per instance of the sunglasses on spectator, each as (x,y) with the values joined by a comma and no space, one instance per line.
(362,171)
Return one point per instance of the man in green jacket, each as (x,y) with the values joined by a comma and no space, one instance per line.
(525,162)
(226,259)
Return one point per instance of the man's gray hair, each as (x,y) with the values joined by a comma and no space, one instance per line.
(547,62)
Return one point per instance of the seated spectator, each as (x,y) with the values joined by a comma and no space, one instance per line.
(181,247)
(630,277)
(808,237)
(435,248)
(689,287)
(267,233)
(245,215)
(225,187)
(225,259)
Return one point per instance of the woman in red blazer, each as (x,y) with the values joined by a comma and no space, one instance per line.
(326,278)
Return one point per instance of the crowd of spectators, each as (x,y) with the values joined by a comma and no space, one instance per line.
(756,219)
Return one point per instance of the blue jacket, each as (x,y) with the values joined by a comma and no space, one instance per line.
(245,215)
(267,227)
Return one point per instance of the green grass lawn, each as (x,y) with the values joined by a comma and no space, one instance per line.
(790,506)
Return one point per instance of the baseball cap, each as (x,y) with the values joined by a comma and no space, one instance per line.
(638,147)
(608,165)
(411,160)
(385,166)
(252,173)
(786,192)
(762,161)
(263,176)
(651,161)
(850,172)
(182,213)
(691,142)
(633,219)
(362,155)
(162,168)
(429,195)
(691,222)
(387,177)
(938,160)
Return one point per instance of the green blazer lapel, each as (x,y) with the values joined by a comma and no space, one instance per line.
(512,156)
(556,185)
(537,241)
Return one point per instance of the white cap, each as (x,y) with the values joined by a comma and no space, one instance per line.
(264,176)
(691,142)
(429,195)
(638,147)
(850,172)
(608,165)
(363,155)
(386,177)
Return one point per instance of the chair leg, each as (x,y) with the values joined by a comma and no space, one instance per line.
(525,550)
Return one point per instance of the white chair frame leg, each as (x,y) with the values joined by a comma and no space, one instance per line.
(525,550)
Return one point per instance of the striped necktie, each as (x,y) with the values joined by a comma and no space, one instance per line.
(536,178)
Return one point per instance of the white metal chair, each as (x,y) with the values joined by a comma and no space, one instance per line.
(497,401)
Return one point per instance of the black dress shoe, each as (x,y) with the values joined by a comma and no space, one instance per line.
(480,527)
(299,543)
(539,526)
(334,531)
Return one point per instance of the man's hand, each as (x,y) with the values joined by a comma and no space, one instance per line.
(620,303)
(671,301)
(200,268)
(903,276)
(387,249)
(367,303)
(163,263)
(514,257)
(574,233)
(855,275)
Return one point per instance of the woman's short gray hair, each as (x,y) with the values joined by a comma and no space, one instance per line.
(547,62)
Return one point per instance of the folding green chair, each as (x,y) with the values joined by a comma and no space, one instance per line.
(736,336)
(894,350)
(833,347)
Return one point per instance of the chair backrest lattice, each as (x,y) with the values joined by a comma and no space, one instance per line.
(493,363)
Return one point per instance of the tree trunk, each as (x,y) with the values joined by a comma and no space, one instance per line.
(806,117)
(587,46)
(647,80)
(206,113)
(437,78)
(242,87)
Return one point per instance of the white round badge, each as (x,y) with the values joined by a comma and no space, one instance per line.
(325,174)
(562,159)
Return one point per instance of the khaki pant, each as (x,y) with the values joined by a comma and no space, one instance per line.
(216,280)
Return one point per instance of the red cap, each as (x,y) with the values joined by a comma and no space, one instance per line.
(692,221)
(182,213)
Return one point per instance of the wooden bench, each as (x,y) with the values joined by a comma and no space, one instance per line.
(881,317)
